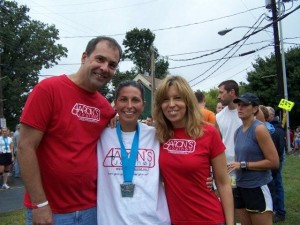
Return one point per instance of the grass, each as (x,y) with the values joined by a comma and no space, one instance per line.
(291,179)
(13,218)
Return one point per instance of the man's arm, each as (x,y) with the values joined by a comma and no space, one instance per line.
(218,128)
(29,141)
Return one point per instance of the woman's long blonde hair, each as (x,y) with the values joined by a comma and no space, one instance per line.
(193,117)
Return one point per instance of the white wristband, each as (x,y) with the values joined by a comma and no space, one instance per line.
(42,204)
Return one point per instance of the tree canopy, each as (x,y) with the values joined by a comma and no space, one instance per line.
(137,44)
(263,81)
(26,46)
(137,48)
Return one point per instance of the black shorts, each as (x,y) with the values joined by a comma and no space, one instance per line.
(255,200)
(5,159)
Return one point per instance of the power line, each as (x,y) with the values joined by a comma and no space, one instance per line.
(208,50)
(173,27)
(235,44)
(213,60)
(65,18)
(245,37)
(102,10)
(72,4)
(219,68)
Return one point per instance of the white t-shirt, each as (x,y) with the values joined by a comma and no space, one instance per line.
(228,122)
(148,206)
(5,143)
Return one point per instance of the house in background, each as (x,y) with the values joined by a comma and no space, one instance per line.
(146,82)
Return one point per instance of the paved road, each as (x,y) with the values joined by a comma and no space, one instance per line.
(12,199)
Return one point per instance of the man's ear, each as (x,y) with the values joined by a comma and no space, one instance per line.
(83,57)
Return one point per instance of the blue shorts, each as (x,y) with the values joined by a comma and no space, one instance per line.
(256,200)
(83,217)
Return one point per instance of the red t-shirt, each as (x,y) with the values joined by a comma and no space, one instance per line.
(185,166)
(72,120)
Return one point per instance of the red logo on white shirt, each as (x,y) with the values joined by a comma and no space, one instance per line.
(180,146)
(86,113)
(145,158)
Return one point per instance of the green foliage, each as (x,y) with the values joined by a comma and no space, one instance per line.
(120,76)
(263,81)
(211,98)
(137,48)
(106,91)
(26,46)
(161,68)
(137,44)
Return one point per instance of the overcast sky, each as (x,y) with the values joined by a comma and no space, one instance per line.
(184,29)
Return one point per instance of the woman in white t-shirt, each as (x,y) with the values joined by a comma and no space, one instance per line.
(6,156)
(129,187)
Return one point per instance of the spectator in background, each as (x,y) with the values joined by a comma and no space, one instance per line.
(255,156)
(291,138)
(6,156)
(208,115)
(219,107)
(15,142)
(297,141)
(228,120)
(279,208)
(149,120)
(277,184)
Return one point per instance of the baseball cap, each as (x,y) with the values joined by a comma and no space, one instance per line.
(247,98)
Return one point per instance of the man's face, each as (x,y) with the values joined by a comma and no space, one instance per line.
(149,121)
(100,66)
(271,116)
(225,97)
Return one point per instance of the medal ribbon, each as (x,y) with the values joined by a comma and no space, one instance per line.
(5,143)
(128,160)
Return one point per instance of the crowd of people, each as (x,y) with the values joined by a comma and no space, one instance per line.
(82,166)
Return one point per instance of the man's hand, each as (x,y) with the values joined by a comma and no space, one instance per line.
(209,183)
(42,216)
(113,122)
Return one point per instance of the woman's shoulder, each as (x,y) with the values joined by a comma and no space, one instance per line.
(207,127)
(148,129)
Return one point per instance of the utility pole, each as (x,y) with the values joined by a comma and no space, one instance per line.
(152,77)
(288,139)
(280,65)
(277,51)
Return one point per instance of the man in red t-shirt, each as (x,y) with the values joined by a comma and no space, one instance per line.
(60,125)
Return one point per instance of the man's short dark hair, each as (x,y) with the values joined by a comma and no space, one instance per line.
(200,96)
(112,43)
(229,85)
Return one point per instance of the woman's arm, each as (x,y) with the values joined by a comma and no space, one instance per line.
(224,188)
(268,149)
(11,147)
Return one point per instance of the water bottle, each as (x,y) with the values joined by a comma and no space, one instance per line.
(232,174)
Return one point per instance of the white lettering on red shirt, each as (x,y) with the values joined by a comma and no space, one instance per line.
(86,113)
(180,146)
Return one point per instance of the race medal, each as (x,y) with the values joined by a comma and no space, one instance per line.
(128,162)
(127,189)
